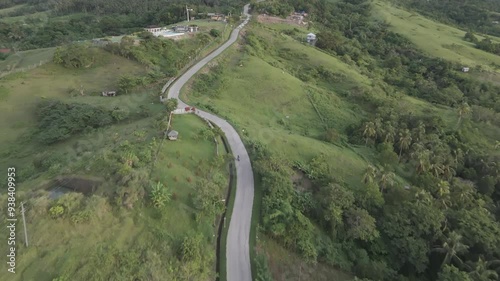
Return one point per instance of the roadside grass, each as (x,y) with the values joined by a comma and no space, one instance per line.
(288,266)
(436,39)
(56,245)
(24,59)
(182,152)
(20,92)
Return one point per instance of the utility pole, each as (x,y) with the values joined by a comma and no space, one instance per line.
(24,223)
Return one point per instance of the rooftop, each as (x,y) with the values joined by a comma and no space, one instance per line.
(173,133)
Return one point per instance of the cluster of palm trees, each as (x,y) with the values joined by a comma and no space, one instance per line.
(380,177)
(387,133)
(452,247)
(425,151)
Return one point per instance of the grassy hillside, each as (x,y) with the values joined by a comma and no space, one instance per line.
(436,39)
(118,240)
(307,115)
(155,202)
(21,91)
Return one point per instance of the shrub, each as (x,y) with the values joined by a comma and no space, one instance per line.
(214,32)
(58,121)
(160,195)
(75,56)
(56,211)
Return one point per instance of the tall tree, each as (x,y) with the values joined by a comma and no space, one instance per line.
(404,141)
(390,132)
(369,131)
(482,272)
(451,248)
(385,179)
(370,175)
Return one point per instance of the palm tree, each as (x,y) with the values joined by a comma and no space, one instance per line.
(463,110)
(369,131)
(419,131)
(379,127)
(443,193)
(390,133)
(423,198)
(370,174)
(497,144)
(404,141)
(452,247)
(160,195)
(481,271)
(422,157)
(386,178)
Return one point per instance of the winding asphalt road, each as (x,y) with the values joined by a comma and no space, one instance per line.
(237,248)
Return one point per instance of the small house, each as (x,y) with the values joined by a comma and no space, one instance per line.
(173,135)
(465,69)
(4,51)
(153,29)
(311,37)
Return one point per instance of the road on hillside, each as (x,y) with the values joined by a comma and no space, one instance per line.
(237,248)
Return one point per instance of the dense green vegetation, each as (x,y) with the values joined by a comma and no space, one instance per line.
(426,206)
(69,21)
(58,121)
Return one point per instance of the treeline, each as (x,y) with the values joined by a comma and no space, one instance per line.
(478,15)
(281,9)
(165,56)
(486,44)
(93,19)
(58,121)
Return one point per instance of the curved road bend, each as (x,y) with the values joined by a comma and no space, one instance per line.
(237,248)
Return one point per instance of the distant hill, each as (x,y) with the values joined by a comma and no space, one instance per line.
(479,15)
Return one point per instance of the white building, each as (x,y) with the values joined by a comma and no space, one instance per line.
(311,37)
(153,29)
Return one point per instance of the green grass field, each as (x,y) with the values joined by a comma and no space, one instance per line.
(24,60)
(56,246)
(436,39)
(19,92)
